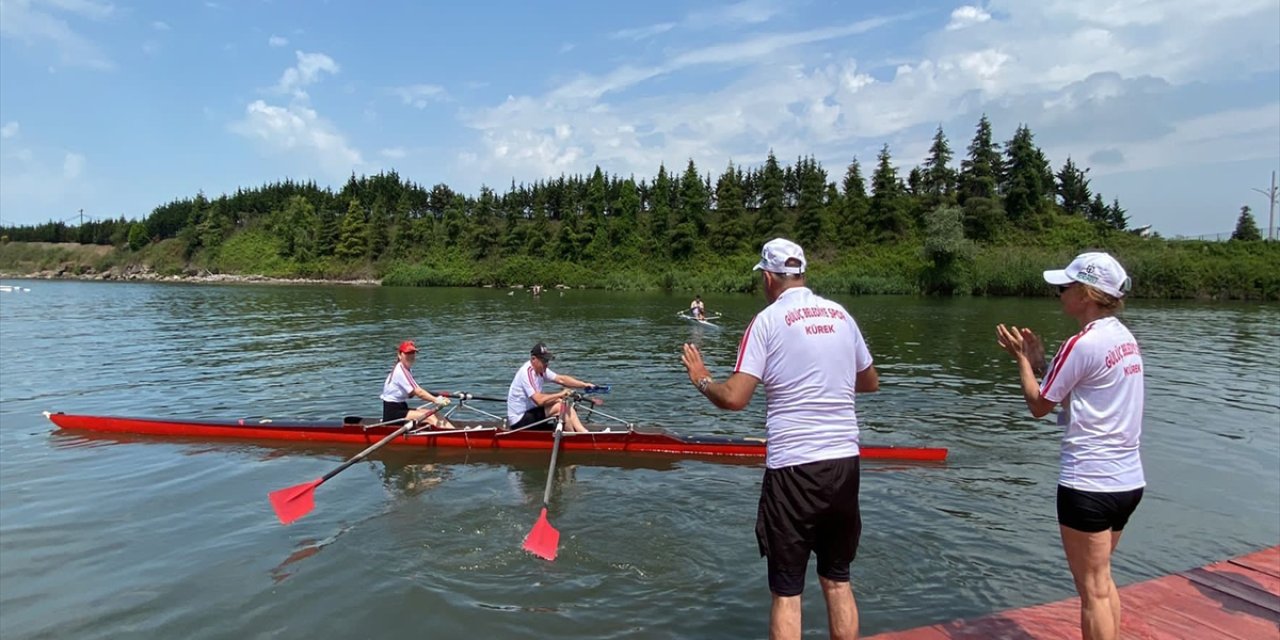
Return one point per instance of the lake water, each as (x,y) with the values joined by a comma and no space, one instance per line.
(132,537)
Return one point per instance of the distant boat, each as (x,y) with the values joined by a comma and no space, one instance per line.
(7,288)
(705,322)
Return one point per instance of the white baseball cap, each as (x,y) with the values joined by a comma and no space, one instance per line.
(776,252)
(1096,269)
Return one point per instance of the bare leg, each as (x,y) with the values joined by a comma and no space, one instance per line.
(784,618)
(1115,593)
(842,609)
(1089,558)
(571,420)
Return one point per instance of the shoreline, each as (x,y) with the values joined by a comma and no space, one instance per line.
(135,273)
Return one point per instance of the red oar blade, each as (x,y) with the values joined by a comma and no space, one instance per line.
(294,502)
(543,540)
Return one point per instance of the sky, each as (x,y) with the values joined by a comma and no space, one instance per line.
(117,107)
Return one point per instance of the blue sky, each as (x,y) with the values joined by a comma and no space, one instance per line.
(116,107)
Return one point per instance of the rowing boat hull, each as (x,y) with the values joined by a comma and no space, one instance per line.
(701,323)
(472,435)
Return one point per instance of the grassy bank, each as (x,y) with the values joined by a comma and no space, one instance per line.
(1159,268)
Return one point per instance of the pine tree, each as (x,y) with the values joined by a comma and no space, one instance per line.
(980,173)
(770,220)
(730,228)
(853,219)
(1025,187)
(887,211)
(810,205)
(624,227)
(1246,226)
(1116,216)
(938,180)
(352,235)
(1073,188)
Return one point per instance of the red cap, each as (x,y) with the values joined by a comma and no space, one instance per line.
(408,347)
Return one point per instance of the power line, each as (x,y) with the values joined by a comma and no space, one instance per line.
(1271,196)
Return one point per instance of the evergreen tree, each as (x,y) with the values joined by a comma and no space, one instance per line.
(352,235)
(811,204)
(887,212)
(1116,216)
(624,227)
(770,220)
(980,172)
(379,218)
(1246,226)
(1025,188)
(938,180)
(660,211)
(1073,188)
(730,228)
(853,220)
(298,230)
(482,237)
(1097,212)
(539,239)
(691,220)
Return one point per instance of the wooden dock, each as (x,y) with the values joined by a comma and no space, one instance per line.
(1235,599)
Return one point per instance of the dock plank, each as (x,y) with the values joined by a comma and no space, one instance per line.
(1236,599)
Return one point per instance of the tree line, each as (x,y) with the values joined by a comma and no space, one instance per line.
(998,193)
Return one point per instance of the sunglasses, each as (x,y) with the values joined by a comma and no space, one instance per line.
(1062,288)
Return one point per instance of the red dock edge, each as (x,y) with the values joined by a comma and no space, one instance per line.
(1233,599)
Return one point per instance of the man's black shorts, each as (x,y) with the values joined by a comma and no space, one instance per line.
(533,415)
(809,508)
(1094,511)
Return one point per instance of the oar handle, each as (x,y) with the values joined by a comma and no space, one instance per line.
(463,395)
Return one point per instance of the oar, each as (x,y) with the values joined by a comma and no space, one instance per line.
(543,540)
(463,395)
(294,502)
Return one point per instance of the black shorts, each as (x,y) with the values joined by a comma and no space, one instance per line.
(533,415)
(809,508)
(394,410)
(1094,511)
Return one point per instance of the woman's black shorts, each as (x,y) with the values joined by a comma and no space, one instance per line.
(394,410)
(1094,511)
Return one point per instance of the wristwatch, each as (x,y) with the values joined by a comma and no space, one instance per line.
(703,383)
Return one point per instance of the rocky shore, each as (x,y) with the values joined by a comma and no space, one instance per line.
(141,273)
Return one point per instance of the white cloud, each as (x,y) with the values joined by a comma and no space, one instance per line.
(967,16)
(420,95)
(42,183)
(40,23)
(394,153)
(298,130)
(306,72)
(9,130)
(1022,62)
(160,25)
(643,33)
(277,41)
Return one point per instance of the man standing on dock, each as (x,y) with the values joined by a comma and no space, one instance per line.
(811,357)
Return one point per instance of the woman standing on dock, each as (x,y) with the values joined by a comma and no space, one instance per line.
(1097,378)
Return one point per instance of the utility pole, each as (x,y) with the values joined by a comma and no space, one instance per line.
(1271,195)
(82,217)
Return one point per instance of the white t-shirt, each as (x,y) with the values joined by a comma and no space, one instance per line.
(526,383)
(807,351)
(1097,376)
(399,385)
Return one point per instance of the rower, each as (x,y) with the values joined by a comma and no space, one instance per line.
(400,386)
(527,405)
(697,309)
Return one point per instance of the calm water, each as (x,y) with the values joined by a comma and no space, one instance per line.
(118,537)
